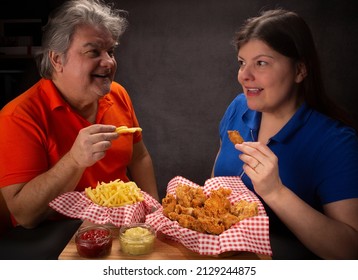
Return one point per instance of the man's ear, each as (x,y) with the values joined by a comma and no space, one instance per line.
(56,60)
(301,72)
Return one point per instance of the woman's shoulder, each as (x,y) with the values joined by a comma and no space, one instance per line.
(334,134)
(329,125)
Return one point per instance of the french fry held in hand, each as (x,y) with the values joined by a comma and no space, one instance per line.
(115,193)
(125,129)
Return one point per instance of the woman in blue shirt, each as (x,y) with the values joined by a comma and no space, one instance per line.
(299,156)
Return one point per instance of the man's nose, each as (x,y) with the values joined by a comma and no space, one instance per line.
(107,60)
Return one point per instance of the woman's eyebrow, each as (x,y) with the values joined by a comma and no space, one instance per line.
(257,56)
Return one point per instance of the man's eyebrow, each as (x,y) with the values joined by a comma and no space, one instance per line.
(91,44)
(98,45)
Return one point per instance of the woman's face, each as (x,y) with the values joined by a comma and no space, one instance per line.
(269,79)
(89,67)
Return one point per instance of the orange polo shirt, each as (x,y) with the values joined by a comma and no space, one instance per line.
(39,127)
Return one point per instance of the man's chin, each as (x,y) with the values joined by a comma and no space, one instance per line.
(104,90)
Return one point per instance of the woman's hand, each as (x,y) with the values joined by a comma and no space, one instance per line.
(261,165)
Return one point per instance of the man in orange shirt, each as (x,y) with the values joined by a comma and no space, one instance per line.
(59,135)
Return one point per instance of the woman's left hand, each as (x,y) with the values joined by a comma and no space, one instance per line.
(261,165)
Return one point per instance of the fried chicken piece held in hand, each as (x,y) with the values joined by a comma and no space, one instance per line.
(235,137)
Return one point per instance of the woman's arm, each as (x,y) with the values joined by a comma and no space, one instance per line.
(330,235)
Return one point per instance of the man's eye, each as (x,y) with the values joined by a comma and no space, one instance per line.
(111,53)
(93,53)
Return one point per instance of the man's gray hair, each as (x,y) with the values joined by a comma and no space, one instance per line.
(62,23)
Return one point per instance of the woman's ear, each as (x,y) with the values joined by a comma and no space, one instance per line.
(301,72)
(56,61)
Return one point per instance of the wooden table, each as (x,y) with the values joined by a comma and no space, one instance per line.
(164,249)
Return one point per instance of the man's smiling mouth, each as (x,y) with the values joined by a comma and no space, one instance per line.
(101,75)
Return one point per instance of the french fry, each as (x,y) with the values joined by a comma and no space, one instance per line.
(115,193)
(125,129)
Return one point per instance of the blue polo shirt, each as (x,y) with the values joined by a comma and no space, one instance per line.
(317,156)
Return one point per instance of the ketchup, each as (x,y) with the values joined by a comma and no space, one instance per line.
(94,242)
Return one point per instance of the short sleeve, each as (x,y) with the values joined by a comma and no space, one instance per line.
(338,174)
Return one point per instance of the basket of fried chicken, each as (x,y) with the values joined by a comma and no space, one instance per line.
(221,216)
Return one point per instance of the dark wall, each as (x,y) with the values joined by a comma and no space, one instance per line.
(178,65)
(177,62)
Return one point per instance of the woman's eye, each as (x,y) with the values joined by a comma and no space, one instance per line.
(261,63)
(241,63)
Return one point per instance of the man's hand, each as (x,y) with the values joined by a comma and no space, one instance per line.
(92,143)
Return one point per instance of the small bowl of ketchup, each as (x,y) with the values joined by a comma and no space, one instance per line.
(93,241)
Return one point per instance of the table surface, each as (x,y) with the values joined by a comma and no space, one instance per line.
(54,240)
(164,249)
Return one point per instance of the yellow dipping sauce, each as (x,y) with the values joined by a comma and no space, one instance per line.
(136,239)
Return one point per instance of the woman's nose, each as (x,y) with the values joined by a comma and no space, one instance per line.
(245,73)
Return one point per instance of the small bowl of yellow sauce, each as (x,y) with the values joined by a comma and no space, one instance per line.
(136,239)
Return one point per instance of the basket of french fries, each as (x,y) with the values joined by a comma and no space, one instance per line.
(115,202)
(221,216)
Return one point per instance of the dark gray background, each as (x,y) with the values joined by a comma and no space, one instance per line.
(180,69)
(178,64)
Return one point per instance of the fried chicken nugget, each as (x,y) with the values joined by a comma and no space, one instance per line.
(235,137)
(190,222)
(213,215)
(217,203)
(229,219)
(189,196)
(183,210)
(211,225)
(183,195)
(244,209)
(168,203)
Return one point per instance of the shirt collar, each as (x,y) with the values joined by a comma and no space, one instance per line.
(252,120)
(103,105)
(56,100)
(53,94)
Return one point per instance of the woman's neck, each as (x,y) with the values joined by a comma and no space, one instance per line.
(272,123)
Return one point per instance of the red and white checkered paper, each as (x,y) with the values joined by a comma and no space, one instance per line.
(78,205)
(250,234)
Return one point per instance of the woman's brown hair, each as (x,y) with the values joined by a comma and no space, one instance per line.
(287,33)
